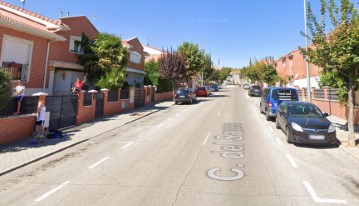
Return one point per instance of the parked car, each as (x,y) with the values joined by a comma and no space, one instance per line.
(255,90)
(202,92)
(185,95)
(273,96)
(215,87)
(209,90)
(303,122)
(246,86)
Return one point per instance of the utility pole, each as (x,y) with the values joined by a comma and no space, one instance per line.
(309,93)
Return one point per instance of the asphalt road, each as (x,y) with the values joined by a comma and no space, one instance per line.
(219,151)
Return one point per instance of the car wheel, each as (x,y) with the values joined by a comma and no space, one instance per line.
(176,102)
(277,123)
(289,136)
(268,118)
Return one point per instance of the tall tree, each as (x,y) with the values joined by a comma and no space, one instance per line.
(105,60)
(337,51)
(172,66)
(195,57)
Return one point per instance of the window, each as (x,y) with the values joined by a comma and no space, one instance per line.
(16,57)
(135,57)
(283,63)
(75,45)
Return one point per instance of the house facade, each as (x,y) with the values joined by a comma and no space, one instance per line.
(152,53)
(135,74)
(64,67)
(294,67)
(25,39)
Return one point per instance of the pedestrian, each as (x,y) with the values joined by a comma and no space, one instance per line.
(19,94)
(78,85)
(40,119)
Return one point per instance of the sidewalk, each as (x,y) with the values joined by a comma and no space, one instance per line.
(18,154)
(342,135)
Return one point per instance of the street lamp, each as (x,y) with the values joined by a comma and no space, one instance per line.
(309,94)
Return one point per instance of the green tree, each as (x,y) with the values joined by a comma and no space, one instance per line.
(267,70)
(224,72)
(194,57)
(105,59)
(5,87)
(152,73)
(337,52)
(208,70)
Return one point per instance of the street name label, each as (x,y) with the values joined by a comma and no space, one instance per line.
(231,148)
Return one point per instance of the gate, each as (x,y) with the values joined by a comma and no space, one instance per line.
(62,111)
(139,98)
(99,104)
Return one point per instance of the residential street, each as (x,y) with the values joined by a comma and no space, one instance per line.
(218,151)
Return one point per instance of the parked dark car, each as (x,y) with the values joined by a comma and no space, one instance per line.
(215,87)
(303,122)
(202,92)
(185,95)
(246,86)
(273,96)
(255,90)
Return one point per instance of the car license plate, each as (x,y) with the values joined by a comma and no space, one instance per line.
(181,96)
(316,137)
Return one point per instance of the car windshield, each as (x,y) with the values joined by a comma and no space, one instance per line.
(182,91)
(201,88)
(304,110)
(256,87)
(284,94)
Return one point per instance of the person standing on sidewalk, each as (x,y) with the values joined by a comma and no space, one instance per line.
(40,119)
(19,94)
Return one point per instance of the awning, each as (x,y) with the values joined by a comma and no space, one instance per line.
(66,65)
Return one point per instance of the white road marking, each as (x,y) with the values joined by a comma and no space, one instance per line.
(127,145)
(316,199)
(271,129)
(291,161)
(178,114)
(97,163)
(169,119)
(39,199)
(218,114)
(205,141)
(278,141)
(160,125)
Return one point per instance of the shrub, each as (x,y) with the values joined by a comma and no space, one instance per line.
(5,88)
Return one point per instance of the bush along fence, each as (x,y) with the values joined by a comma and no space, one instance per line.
(64,111)
(328,101)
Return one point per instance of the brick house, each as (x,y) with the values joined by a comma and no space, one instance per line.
(293,67)
(63,59)
(135,73)
(25,39)
(151,53)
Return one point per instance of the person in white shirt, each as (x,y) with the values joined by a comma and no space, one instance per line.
(19,93)
(40,118)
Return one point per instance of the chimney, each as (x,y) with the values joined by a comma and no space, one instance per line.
(61,14)
(68,14)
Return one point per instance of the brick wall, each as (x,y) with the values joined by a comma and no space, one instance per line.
(85,113)
(16,127)
(163,96)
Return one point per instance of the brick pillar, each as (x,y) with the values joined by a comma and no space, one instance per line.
(132,98)
(80,100)
(146,95)
(105,99)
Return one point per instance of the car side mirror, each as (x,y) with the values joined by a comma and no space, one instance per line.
(326,114)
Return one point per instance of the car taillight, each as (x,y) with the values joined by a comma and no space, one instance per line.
(270,104)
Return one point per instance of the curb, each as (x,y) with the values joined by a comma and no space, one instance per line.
(356,157)
(69,146)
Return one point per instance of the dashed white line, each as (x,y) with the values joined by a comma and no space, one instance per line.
(291,161)
(127,145)
(97,163)
(169,119)
(278,141)
(39,199)
(205,141)
(218,114)
(316,199)
(178,114)
(160,125)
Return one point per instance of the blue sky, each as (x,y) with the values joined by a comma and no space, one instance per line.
(232,31)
